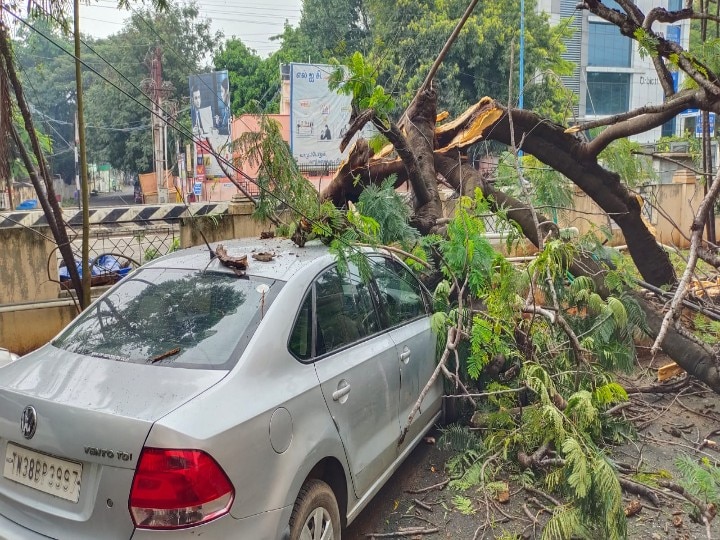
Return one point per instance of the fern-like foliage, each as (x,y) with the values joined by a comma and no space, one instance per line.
(278,176)
(701,478)
(388,209)
(565,523)
(459,438)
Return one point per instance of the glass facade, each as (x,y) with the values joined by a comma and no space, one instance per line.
(607,93)
(607,46)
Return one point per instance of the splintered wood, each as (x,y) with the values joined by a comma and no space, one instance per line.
(668,371)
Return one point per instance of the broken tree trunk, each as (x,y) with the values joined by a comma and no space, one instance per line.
(551,144)
(420,139)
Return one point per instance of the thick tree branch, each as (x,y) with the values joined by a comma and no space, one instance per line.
(46,192)
(629,25)
(709,257)
(633,126)
(685,99)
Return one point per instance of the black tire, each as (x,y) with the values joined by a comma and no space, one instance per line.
(315,507)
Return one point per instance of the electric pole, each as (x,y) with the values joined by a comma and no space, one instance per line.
(159,91)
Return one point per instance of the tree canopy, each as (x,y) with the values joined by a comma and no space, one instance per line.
(118,127)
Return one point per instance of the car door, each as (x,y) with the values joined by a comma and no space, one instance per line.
(356,364)
(406,314)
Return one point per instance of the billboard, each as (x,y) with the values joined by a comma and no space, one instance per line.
(318,116)
(210,117)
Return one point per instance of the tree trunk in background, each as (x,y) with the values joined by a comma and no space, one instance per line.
(45,191)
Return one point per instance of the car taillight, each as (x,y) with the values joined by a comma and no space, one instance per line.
(178,488)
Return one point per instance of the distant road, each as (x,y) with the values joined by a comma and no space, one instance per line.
(124,197)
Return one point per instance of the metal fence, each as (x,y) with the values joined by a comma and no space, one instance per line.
(138,244)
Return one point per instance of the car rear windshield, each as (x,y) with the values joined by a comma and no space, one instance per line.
(171,317)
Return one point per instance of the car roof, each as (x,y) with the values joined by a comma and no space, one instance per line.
(288,257)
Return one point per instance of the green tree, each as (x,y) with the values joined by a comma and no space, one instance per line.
(407,36)
(123,137)
(49,78)
(252,79)
(336,27)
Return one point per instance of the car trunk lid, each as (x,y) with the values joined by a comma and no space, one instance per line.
(91,419)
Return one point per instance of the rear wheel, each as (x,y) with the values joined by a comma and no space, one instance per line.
(316,515)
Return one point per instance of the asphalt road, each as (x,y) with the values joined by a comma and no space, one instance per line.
(124,197)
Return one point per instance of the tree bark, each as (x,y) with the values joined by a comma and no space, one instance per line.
(420,138)
(46,192)
(566,153)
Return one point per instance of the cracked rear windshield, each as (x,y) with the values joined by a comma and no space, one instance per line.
(172,317)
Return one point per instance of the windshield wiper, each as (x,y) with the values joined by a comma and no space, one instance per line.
(171,352)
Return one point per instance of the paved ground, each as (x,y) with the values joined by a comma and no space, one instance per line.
(124,197)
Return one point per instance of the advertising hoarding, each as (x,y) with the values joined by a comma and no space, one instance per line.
(318,116)
(210,117)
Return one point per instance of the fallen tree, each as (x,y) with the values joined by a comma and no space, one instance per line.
(553,145)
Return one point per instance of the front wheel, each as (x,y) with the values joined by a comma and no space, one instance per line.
(315,515)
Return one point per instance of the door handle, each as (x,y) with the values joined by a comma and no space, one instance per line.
(405,355)
(342,391)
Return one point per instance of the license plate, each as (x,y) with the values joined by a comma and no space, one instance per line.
(58,477)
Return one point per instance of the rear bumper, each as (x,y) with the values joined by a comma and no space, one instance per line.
(265,526)
(9,530)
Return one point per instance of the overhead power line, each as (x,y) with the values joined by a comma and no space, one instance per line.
(174,124)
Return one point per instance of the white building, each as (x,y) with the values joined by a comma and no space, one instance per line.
(610,76)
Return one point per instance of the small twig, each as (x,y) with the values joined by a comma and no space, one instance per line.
(410,531)
(418,517)
(659,388)
(707,511)
(439,486)
(688,409)
(529,514)
(619,407)
(674,443)
(639,489)
(540,505)
(542,494)
(422,505)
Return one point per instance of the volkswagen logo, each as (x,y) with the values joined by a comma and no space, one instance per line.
(28,422)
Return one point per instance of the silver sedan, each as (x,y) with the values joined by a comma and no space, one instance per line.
(196,399)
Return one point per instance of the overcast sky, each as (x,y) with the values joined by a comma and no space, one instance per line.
(253,21)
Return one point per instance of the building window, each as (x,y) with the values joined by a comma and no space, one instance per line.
(612,4)
(668,128)
(674,5)
(673,33)
(607,93)
(607,46)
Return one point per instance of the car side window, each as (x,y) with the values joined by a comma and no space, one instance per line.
(300,343)
(400,291)
(344,310)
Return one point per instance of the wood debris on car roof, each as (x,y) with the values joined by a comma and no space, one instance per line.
(264,256)
(239,265)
